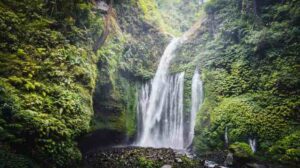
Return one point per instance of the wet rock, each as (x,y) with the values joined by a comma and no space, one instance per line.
(242,154)
(229,159)
(255,165)
(216,156)
(116,157)
(210,164)
(178,160)
(101,5)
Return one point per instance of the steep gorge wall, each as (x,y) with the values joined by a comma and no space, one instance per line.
(130,56)
(54,85)
(248,57)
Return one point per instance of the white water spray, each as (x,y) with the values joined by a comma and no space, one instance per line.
(226,136)
(252,143)
(197,100)
(166,130)
(160,111)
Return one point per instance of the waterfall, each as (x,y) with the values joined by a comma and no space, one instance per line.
(166,130)
(252,143)
(160,109)
(197,100)
(226,137)
(160,106)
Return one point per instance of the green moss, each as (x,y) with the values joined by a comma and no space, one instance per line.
(249,75)
(130,93)
(241,150)
(47,78)
(147,163)
(115,95)
(186,163)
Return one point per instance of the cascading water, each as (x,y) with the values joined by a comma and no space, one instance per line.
(160,111)
(226,137)
(167,130)
(197,99)
(160,106)
(252,143)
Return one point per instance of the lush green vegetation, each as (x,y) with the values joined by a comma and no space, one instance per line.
(129,56)
(48,74)
(55,86)
(250,65)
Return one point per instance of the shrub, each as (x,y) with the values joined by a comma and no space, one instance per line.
(287,149)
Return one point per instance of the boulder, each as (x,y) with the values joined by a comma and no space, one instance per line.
(101,5)
(166,166)
(229,159)
(210,164)
(255,165)
(241,154)
(178,160)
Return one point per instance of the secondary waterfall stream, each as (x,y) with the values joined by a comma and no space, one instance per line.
(160,107)
(252,143)
(197,100)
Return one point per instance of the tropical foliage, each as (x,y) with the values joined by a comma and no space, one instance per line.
(55,86)
(48,74)
(251,74)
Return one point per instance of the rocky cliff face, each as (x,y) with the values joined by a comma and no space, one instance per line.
(130,56)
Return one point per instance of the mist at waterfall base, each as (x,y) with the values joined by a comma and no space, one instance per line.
(161,122)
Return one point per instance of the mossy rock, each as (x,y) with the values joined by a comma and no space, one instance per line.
(241,150)
(242,153)
(136,157)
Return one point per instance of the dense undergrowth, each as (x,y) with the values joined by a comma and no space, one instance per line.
(48,75)
(249,57)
